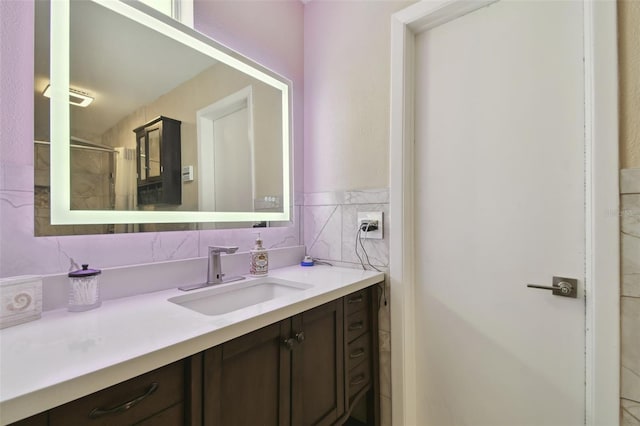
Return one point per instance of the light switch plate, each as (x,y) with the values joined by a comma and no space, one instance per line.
(187,173)
(378,234)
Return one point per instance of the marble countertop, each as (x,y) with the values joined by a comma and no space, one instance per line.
(66,355)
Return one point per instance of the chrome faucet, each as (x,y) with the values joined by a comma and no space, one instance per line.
(214,269)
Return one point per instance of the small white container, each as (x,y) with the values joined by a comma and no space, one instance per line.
(84,289)
(20,300)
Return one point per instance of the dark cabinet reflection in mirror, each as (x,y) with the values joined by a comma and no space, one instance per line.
(159,163)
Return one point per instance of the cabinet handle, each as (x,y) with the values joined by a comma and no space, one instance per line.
(99,412)
(357,380)
(356,299)
(289,343)
(357,354)
(300,336)
(356,326)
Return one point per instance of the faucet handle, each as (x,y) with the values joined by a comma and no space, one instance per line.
(223,249)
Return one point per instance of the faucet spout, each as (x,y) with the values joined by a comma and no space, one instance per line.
(214,268)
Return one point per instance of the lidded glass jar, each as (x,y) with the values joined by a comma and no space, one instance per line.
(84,292)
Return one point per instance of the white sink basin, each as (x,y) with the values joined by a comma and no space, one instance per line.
(225,298)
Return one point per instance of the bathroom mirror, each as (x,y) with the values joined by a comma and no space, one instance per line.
(117,67)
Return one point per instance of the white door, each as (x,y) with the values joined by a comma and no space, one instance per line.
(500,203)
(500,196)
(233,163)
(226,157)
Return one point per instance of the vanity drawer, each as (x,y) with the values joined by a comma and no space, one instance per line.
(357,324)
(357,301)
(128,402)
(358,378)
(358,350)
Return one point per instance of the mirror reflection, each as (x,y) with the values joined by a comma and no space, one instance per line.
(155,125)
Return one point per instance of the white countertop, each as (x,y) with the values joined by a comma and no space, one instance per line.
(66,355)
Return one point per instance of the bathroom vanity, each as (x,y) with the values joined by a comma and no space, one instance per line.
(306,358)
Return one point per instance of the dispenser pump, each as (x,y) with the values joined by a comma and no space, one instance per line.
(258,245)
(259,259)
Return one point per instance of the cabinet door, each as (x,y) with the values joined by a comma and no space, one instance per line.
(318,365)
(154,160)
(41,419)
(247,380)
(142,159)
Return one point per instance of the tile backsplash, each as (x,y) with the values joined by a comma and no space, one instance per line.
(331,226)
(630,297)
(330,233)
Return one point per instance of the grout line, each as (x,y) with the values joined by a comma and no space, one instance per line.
(322,230)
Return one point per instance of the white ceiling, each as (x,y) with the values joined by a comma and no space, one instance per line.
(122,64)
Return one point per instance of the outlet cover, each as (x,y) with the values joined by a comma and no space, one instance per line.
(378,234)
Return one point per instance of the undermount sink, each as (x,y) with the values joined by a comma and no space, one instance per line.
(225,298)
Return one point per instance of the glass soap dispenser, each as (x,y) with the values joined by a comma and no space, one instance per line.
(84,292)
(259,259)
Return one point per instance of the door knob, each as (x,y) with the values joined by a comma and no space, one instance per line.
(567,287)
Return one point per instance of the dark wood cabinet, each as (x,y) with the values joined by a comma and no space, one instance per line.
(170,395)
(317,395)
(288,373)
(311,369)
(361,358)
(41,419)
(247,380)
(159,164)
(319,367)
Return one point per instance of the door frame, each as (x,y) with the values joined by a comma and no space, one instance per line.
(602,249)
(205,119)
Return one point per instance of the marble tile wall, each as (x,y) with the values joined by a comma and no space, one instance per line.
(91,189)
(330,234)
(630,298)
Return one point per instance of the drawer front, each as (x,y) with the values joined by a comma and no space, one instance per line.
(358,350)
(127,402)
(356,301)
(357,324)
(358,378)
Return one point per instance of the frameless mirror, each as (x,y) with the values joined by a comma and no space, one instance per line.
(141,120)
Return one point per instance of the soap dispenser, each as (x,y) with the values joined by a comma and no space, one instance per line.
(259,259)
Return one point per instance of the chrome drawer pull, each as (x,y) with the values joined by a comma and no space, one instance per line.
(99,412)
(360,378)
(356,326)
(356,299)
(357,354)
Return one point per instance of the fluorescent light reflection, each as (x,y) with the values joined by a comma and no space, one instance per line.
(76,97)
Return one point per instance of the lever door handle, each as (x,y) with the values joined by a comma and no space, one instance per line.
(567,287)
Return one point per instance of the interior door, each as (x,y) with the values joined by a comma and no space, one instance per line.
(499,204)
(233,163)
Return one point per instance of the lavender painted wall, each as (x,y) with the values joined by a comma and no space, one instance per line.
(21,252)
(347,47)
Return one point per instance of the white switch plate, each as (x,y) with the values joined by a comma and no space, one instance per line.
(187,173)
(378,234)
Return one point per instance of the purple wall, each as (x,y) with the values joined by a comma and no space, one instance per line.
(274,39)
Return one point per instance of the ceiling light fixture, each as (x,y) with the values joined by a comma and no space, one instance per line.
(76,97)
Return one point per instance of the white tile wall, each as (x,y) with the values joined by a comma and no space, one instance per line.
(329,234)
(630,298)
